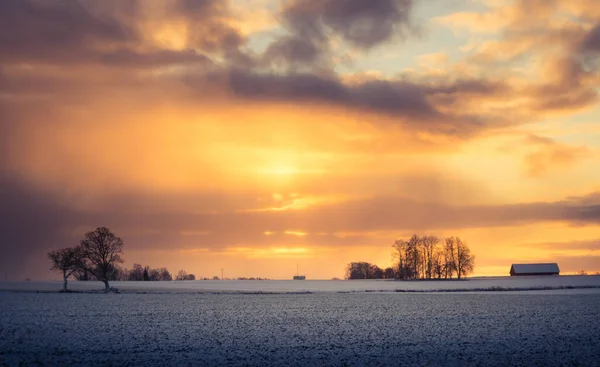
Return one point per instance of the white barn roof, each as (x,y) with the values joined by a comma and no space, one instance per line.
(535,268)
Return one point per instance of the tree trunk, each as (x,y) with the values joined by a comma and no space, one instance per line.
(64,281)
(106,287)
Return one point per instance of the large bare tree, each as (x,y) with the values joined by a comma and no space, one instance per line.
(414,257)
(102,251)
(465,262)
(401,255)
(67,261)
(449,257)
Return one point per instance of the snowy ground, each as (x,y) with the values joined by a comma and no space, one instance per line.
(322,286)
(525,328)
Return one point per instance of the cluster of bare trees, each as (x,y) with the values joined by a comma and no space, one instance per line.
(421,257)
(144,273)
(96,256)
(183,275)
(429,257)
(139,273)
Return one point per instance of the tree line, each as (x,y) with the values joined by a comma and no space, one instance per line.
(420,257)
(137,273)
(98,257)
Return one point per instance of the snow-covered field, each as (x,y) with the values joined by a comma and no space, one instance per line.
(322,286)
(207,323)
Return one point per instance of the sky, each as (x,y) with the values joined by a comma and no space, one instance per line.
(256,136)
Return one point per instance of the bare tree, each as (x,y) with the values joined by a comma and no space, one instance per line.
(465,262)
(363,270)
(67,261)
(400,254)
(140,273)
(164,274)
(375,272)
(414,256)
(136,273)
(438,262)
(181,275)
(154,275)
(102,250)
(429,244)
(124,274)
(449,257)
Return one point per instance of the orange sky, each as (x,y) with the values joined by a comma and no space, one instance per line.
(257,135)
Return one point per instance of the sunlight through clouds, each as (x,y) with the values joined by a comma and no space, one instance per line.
(256,134)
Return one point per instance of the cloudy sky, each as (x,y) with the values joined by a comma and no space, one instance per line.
(254,135)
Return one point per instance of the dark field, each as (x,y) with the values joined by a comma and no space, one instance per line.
(528,329)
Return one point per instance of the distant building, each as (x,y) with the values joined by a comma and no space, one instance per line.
(298,276)
(534,269)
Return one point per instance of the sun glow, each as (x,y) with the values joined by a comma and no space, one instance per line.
(280,170)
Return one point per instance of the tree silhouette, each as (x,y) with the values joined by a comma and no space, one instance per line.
(465,262)
(101,251)
(183,275)
(136,272)
(67,260)
(427,257)
(364,270)
(164,274)
(449,257)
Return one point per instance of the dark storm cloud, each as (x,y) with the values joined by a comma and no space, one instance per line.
(129,58)
(591,42)
(207,25)
(389,213)
(70,32)
(396,98)
(412,104)
(363,24)
(292,50)
(465,87)
(79,34)
(53,30)
(574,86)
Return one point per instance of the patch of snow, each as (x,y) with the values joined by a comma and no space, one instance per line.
(323,286)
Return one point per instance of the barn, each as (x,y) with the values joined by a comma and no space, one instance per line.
(534,269)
